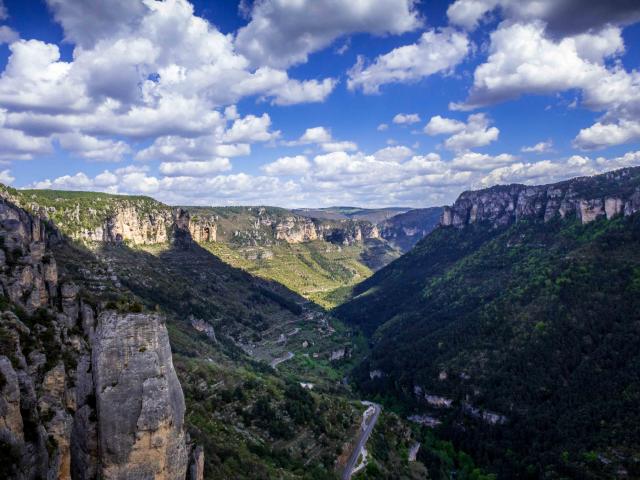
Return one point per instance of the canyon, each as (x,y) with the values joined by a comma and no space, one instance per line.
(132,346)
(144,221)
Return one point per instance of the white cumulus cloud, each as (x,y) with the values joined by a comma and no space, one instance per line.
(438,125)
(476,132)
(435,52)
(283,32)
(95,149)
(139,70)
(523,59)
(540,147)
(406,118)
(283,166)
(195,168)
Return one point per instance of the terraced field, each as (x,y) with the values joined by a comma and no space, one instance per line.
(317,270)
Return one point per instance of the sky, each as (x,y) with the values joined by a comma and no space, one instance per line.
(309,103)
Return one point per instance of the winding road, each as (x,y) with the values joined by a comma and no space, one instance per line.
(288,356)
(365,432)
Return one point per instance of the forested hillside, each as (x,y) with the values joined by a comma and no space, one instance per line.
(517,329)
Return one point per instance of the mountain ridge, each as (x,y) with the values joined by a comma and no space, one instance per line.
(584,197)
(515,330)
(318,258)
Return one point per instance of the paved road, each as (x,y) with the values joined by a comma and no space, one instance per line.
(278,361)
(362,441)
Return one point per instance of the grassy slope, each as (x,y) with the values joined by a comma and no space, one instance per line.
(537,322)
(320,271)
(313,269)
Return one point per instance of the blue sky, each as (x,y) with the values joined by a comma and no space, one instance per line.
(315,102)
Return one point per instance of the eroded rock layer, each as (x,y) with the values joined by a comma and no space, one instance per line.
(585,198)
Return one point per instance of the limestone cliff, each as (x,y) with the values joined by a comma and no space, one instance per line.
(29,275)
(203,230)
(140,404)
(400,228)
(349,232)
(142,227)
(294,229)
(100,217)
(585,198)
(129,224)
(79,399)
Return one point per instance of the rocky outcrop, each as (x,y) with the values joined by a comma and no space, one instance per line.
(139,227)
(203,326)
(112,218)
(348,232)
(298,229)
(180,231)
(196,467)
(78,399)
(294,229)
(486,416)
(43,398)
(587,199)
(139,400)
(134,226)
(117,219)
(28,276)
(203,231)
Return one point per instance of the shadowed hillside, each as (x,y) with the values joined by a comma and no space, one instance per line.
(517,329)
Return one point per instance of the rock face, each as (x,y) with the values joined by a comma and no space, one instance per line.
(203,231)
(349,232)
(295,229)
(139,399)
(181,233)
(143,221)
(139,227)
(402,231)
(79,400)
(586,198)
(134,226)
(299,229)
(27,275)
(196,467)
